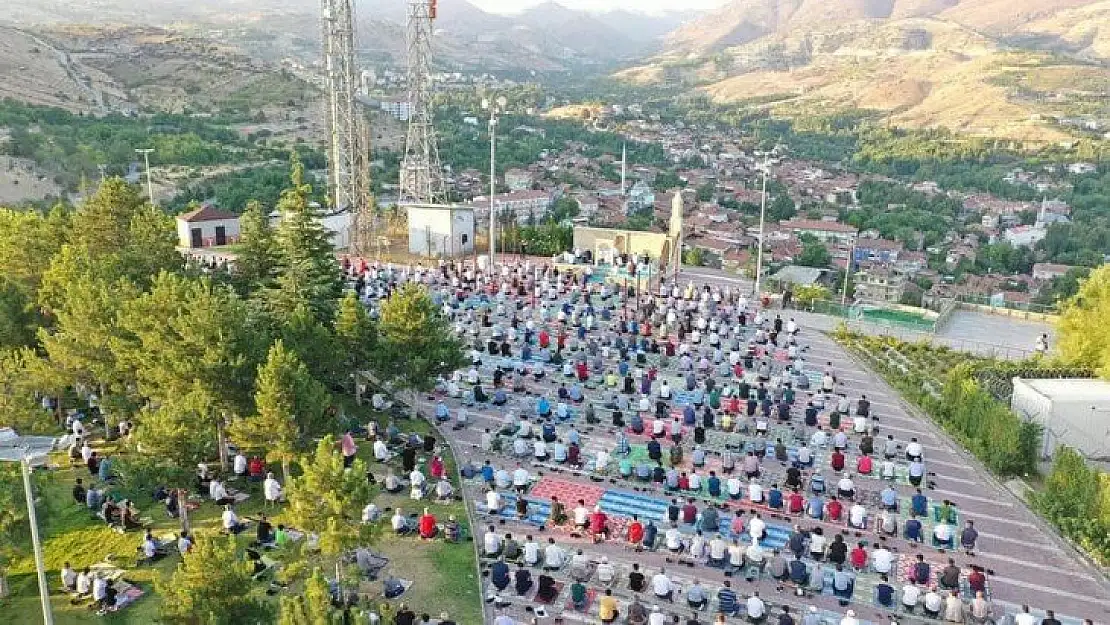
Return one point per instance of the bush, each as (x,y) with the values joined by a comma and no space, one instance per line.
(1076,498)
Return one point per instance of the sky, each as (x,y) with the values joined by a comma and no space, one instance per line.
(644,6)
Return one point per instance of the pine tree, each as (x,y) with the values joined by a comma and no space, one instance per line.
(314,343)
(213,585)
(191,350)
(312,607)
(327,498)
(357,335)
(308,273)
(256,259)
(290,403)
(417,345)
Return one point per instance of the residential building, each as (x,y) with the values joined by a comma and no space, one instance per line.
(207,226)
(1048,271)
(1024,236)
(878,284)
(399,109)
(520,205)
(824,231)
(518,179)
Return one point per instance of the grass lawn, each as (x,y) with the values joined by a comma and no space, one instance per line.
(445,575)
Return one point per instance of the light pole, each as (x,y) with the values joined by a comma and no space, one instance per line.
(762,217)
(146,159)
(495,108)
(36,541)
(847,272)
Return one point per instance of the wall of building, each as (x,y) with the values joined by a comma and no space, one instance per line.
(207,231)
(441,231)
(654,244)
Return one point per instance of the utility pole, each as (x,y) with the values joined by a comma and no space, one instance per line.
(146,159)
(762,217)
(848,272)
(495,108)
(36,540)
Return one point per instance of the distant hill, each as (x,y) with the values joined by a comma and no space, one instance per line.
(1000,67)
(547,37)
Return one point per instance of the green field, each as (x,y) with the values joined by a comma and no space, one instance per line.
(444,574)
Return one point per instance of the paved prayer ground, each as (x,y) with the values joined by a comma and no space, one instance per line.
(553,356)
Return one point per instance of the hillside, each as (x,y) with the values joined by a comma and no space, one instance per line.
(548,37)
(967,65)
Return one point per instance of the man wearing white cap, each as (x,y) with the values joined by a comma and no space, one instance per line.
(656,617)
(849,618)
(812,617)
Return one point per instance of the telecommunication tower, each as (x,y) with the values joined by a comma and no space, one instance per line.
(348,151)
(421,173)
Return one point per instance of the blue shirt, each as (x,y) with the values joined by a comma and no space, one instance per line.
(572,436)
(543,407)
(774,498)
(913,529)
(441,410)
(714,483)
(727,598)
(816,507)
(689,417)
(919,504)
(890,497)
(487,473)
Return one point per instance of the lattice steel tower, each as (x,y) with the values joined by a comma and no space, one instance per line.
(421,172)
(348,152)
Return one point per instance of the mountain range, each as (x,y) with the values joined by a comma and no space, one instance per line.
(1010,68)
(545,37)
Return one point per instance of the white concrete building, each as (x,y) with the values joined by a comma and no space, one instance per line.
(207,226)
(338,226)
(441,230)
(1073,411)
(1024,236)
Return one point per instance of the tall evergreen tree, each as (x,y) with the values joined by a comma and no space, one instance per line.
(417,344)
(213,585)
(290,404)
(308,273)
(357,335)
(327,498)
(256,259)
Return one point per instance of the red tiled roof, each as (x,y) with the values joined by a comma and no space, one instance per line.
(206,213)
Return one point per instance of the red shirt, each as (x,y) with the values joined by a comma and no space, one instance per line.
(427,526)
(683,482)
(597,522)
(733,405)
(635,532)
(835,509)
(864,465)
(437,468)
(837,461)
(689,513)
(797,502)
(977,581)
(545,338)
(255,466)
(859,557)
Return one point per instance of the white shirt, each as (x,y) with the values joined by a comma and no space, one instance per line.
(272,489)
(674,539)
(695,481)
(504,619)
(83,583)
(914,449)
(381,452)
(857,514)
(717,548)
(943,532)
(661,585)
(553,556)
(216,490)
(240,464)
(493,500)
(69,577)
(754,552)
(416,478)
(99,588)
(581,515)
(605,572)
(756,608)
(755,492)
(882,559)
(933,601)
(736,555)
(86,452)
(757,527)
(849,620)
(149,548)
(492,543)
(657,618)
(540,448)
(846,484)
(230,520)
(1025,618)
(532,552)
(733,486)
(911,593)
(520,477)
(183,545)
(859,424)
(369,513)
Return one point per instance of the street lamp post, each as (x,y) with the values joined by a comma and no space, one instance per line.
(495,108)
(36,541)
(762,217)
(146,159)
(847,272)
